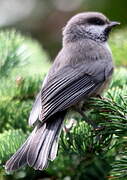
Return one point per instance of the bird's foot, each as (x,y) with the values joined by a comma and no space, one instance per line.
(87,120)
(103,98)
(99,96)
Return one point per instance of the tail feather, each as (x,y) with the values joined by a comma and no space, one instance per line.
(53,151)
(35,145)
(42,159)
(54,147)
(14,162)
(40,147)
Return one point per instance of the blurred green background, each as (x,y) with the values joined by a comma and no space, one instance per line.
(30,38)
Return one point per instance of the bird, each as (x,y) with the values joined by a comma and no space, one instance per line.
(82,69)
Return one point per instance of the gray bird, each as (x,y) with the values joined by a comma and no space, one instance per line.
(83,68)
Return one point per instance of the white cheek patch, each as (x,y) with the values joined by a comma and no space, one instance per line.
(96,30)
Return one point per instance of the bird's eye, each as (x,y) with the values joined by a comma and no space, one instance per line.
(96,21)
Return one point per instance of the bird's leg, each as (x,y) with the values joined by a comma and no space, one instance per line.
(93,124)
(99,96)
(103,98)
(88,121)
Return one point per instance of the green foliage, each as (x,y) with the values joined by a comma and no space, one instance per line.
(14,114)
(118,43)
(19,86)
(85,152)
(119,78)
(100,153)
(9,142)
(82,154)
(12,52)
(17,90)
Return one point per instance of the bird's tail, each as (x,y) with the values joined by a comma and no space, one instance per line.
(41,146)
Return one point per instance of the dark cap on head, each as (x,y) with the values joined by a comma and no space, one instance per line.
(92,25)
(86,17)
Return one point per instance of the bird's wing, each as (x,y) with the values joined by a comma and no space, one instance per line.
(36,110)
(70,85)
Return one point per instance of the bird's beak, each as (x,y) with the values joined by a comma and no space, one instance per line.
(113,24)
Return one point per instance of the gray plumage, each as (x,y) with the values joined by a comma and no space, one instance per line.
(39,147)
(36,110)
(82,69)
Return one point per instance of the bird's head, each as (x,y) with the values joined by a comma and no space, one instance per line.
(88,25)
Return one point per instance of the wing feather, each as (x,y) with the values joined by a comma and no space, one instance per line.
(72,85)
